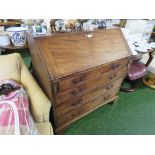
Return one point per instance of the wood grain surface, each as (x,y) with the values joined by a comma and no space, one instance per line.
(79,74)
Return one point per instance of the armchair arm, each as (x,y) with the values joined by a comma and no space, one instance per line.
(39,104)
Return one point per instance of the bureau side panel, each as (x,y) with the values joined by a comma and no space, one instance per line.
(39,67)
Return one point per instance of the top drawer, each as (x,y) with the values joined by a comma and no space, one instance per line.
(73,80)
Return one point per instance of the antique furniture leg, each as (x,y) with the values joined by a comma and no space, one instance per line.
(114,101)
(132,88)
(149,79)
(150,59)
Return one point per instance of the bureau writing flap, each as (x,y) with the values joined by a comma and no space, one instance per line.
(69,53)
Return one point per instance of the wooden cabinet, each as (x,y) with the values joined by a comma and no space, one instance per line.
(78,73)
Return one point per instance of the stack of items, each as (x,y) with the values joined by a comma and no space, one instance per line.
(68,25)
(136,44)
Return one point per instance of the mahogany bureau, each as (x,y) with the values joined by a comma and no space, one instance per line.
(79,73)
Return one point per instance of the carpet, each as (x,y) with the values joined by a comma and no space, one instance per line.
(133,114)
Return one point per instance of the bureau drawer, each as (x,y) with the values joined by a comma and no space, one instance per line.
(73,80)
(87,107)
(90,85)
(78,101)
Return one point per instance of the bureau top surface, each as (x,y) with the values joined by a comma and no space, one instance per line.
(65,54)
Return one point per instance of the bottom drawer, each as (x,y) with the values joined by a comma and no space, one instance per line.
(85,108)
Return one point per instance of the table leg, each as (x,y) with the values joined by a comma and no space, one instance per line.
(150,59)
(149,79)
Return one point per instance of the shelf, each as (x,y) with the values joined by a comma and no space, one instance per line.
(10,23)
(11,47)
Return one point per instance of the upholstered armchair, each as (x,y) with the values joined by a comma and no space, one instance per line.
(13,67)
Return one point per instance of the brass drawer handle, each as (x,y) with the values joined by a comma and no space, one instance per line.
(106,97)
(114,66)
(112,76)
(82,77)
(80,89)
(109,86)
(74,93)
(76,103)
(75,114)
(77,80)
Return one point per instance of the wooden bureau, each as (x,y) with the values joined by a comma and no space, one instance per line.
(79,74)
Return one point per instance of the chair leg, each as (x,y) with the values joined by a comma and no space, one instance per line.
(131,89)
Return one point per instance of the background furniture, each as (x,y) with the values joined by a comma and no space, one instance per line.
(14,48)
(13,67)
(136,71)
(10,22)
(79,74)
(135,31)
(11,48)
(136,28)
(151,66)
(149,79)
